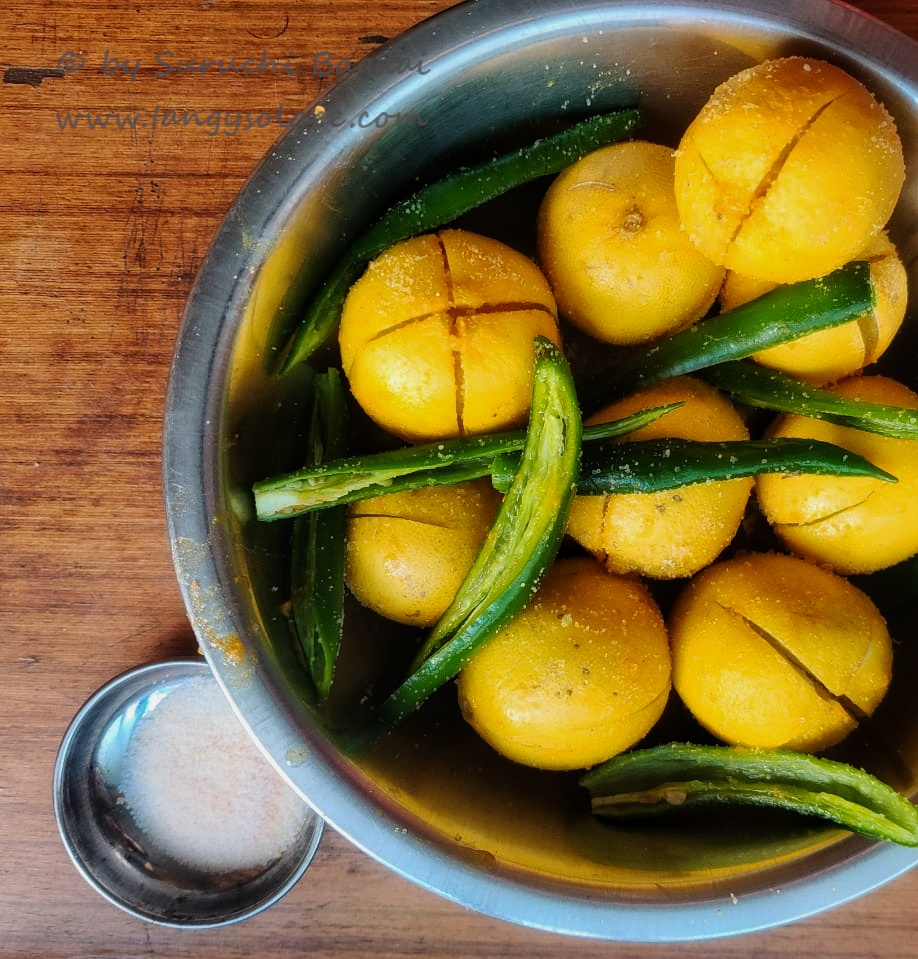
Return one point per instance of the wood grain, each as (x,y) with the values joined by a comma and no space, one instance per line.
(101,234)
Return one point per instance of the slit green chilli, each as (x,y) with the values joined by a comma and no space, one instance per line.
(783,314)
(521,545)
(664,779)
(317,544)
(441,463)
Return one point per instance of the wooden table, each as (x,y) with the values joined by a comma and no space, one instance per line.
(101,233)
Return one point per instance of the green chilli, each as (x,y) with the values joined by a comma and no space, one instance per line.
(756,385)
(315,488)
(317,545)
(784,314)
(442,202)
(681,775)
(651,466)
(430,464)
(520,546)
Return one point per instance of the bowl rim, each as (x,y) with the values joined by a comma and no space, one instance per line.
(146,679)
(193,408)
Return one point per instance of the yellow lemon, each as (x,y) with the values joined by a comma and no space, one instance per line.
(436,337)
(406,553)
(772,651)
(853,524)
(788,171)
(581,674)
(677,532)
(612,246)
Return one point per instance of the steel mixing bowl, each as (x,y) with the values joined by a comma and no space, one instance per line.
(434,803)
